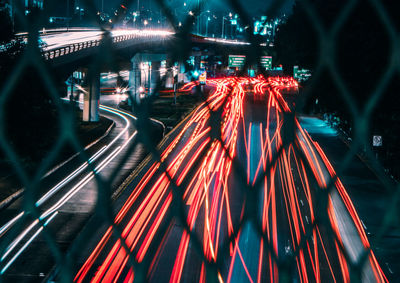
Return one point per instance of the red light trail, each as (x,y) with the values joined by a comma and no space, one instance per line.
(287,180)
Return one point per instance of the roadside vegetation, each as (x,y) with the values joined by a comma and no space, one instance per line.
(361,57)
(30,120)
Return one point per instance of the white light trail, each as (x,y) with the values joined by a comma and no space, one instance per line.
(52,211)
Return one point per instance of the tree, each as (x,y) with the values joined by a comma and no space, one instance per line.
(362,55)
(362,46)
(6,27)
(30,116)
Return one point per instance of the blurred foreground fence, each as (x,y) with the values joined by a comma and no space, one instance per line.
(250,221)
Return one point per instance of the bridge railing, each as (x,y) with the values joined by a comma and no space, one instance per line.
(75,47)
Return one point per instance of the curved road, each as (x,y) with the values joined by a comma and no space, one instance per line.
(66,200)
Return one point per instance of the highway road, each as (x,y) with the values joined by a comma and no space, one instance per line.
(58,40)
(55,40)
(239,180)
(66,198)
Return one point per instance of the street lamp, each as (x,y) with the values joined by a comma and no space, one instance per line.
(223,23)
(199,19)
(208,19)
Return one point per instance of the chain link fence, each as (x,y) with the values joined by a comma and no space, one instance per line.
(237,191)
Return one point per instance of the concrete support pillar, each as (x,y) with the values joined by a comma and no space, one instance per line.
(92,99)
(169,74)
(154,75)
(181,74)
(197,60)
(145,73)
(135,81)
(169,79)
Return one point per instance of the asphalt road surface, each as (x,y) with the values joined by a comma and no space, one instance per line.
(238,193)
(66,199)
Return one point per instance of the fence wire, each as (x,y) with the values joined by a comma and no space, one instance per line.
(220,218)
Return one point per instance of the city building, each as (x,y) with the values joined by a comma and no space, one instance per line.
(24,5)
(267,27)
(59,8)
(29,4)
(6,5)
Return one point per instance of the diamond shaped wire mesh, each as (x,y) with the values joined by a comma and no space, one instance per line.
(236,202)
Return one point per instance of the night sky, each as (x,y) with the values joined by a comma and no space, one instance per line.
(256,7)
(253,7)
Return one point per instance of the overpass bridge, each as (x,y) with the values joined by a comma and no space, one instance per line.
(66,52)
(64,47)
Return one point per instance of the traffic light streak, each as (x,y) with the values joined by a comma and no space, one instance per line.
(286,196)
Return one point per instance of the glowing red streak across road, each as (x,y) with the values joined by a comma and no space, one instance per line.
(215,199)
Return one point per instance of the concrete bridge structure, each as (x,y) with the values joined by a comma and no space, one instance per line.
(67,52)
